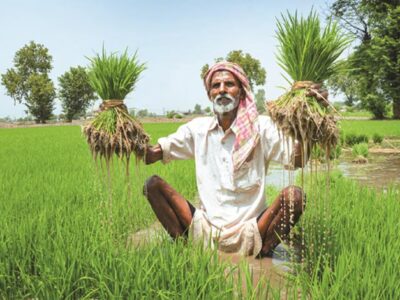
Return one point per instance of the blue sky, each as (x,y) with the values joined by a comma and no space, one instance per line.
(175,39)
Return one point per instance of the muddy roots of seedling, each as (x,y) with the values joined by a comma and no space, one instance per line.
(301,117)
(122,135)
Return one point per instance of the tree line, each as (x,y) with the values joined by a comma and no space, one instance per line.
(370,76)
(28,82)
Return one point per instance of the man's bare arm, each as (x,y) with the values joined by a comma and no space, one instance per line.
(153,154)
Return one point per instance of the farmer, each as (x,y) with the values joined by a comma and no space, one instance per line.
(232,151)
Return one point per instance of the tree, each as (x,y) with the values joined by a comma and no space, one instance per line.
(376,61)
(75,92)
(344,82)
(260,100)
(251,66)
(29,82)
(385,47)
(197,109)
(142,113)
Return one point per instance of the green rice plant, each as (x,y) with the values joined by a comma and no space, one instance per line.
(360,150)
(350,139)
(358,261)
(377,138)
(353,139)
(389,128)
(308,54)
(114,130)
(319,154)
(362,138)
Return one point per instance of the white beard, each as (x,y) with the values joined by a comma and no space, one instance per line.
(220,108)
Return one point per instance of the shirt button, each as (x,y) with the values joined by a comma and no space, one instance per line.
(224,159)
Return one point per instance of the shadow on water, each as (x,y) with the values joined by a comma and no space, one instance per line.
(381,171)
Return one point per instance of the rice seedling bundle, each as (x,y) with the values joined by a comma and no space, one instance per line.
(114,130)
(308,54)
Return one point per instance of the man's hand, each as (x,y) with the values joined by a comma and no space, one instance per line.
(153,154)
(321,94)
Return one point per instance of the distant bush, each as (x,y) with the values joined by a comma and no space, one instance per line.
(377,138)
(178,116)
(170,114)
(360,150)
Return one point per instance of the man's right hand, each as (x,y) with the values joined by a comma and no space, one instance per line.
(153,154)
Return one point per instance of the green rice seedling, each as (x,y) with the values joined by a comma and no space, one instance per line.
(390,128)
(114,130)
(307,53)
(377,138)
(362,138)
(360,153)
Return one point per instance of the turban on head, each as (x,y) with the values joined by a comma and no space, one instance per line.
(245,125)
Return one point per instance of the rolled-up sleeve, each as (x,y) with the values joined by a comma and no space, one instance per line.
(179,145)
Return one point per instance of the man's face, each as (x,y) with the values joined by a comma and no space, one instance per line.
(225,92)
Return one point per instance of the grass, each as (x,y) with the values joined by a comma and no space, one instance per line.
(387,128)
(59,240)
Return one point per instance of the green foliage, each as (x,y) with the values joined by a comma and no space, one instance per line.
(259,98)
(75,92)
(171,114)
(343,82)
(306,51)
(251,66)
(375,61)
(29,83)
(114,76)
(360,150)
(377,138)
(142,113)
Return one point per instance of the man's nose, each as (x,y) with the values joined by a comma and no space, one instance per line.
(222,89)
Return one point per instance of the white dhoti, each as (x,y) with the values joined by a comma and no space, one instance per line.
(244,239)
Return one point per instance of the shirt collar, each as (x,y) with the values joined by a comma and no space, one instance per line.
(214,124)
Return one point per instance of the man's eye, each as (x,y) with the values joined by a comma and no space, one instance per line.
(230,84)
(215,86)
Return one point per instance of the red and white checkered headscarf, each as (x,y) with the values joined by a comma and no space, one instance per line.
(245,126)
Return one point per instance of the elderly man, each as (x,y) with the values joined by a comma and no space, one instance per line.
(232,151)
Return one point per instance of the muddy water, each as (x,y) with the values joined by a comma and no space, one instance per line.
(381,171)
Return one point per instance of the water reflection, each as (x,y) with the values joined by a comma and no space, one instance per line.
(382,171)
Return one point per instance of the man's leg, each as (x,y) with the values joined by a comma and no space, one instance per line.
(274,224)
(171,209)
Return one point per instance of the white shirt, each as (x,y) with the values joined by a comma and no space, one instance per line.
(228,199)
